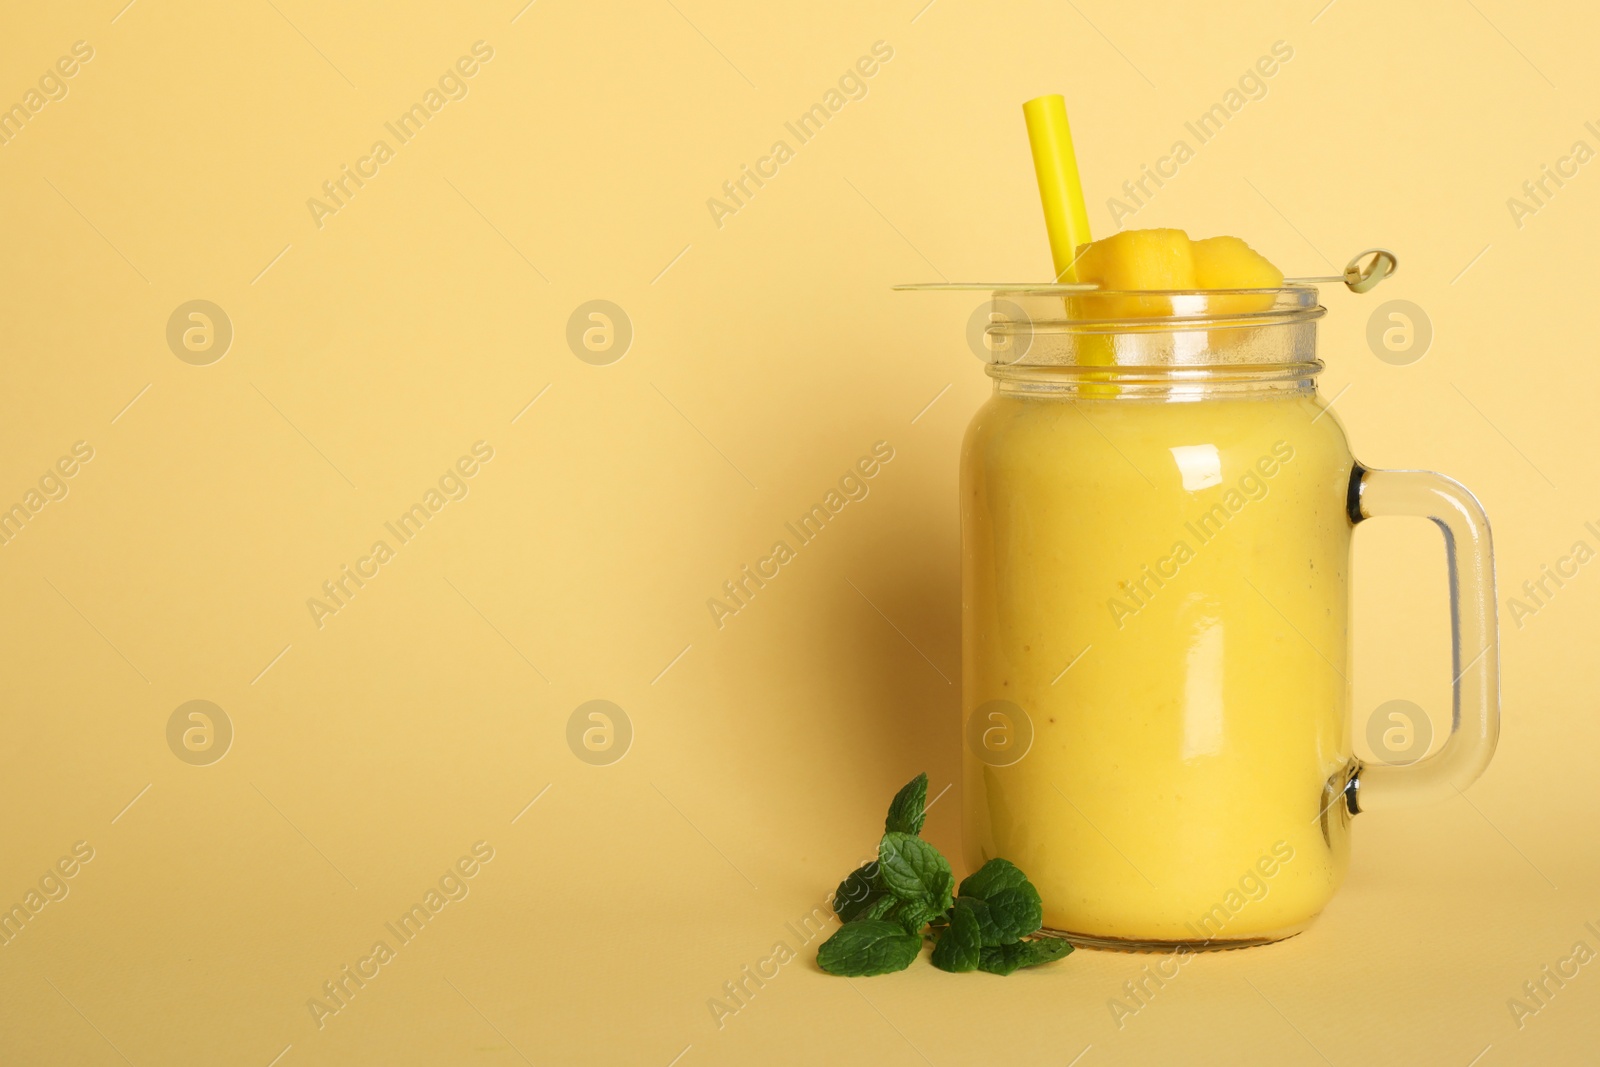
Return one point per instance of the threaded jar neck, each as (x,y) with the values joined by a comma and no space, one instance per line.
(1167,345)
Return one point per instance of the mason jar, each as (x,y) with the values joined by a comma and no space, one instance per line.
(1157,509)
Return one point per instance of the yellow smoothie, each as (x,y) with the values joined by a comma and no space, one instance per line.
(1159,585)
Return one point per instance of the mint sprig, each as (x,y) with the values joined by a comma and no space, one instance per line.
(988,924)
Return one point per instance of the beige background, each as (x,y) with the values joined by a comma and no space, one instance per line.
(768,354)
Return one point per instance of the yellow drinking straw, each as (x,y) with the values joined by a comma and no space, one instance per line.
(1066,218)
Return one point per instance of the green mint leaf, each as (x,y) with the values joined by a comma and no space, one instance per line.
(960,946)
(1017,910)
(1007,915)
(1000,959)
(992,877)
(860,887)
(879,906)
(990,933)
(909,807)
(876,906)
(912,869)
(868,947)
(944,891)
(1047,950)
(913,914)
(1004,959)
(1006,903)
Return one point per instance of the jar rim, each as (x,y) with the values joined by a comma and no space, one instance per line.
(1111,332)
(1095,310)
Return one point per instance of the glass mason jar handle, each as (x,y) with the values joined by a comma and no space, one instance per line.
(1474,638)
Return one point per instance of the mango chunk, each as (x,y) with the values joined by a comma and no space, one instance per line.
(1135,260)
(1229,263)
(1139,260)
